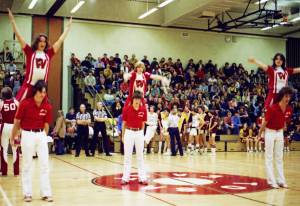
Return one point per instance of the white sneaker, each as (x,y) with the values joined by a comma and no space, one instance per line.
(274,186)
(288,149)
(283,185)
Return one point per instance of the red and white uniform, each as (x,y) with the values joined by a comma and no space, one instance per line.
(37,68)
(274,142)
(34,139)
(8,109)
(134,136)
(138,82)
(278,78)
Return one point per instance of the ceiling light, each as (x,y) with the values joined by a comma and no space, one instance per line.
(261,1)
(78,5)
(32,4)
(148,13)
(165,3)
(295,19)
(266,28)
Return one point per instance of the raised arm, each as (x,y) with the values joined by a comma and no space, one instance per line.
(261,65)
(58,43)
(15,29)
(296,70)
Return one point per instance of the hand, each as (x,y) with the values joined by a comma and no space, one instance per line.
(251,60)
(10,15)
(70,22)
(12,142)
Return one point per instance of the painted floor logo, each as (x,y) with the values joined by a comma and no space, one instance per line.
(187,183)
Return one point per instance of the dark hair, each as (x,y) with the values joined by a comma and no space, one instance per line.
(6,93)
(137,95)
(284,91)
(282,57)
(39,86)
(36,41)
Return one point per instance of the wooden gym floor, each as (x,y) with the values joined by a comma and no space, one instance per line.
(184,181)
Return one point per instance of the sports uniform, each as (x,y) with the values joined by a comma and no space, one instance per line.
(37,68)
(8,109)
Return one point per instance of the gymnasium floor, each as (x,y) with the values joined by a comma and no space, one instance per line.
(184,181)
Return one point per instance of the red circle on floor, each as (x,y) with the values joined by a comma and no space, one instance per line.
(187,183)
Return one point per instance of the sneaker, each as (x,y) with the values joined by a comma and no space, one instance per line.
(123,182)
(27,198)
(274,186)
(283,185)
(47,199)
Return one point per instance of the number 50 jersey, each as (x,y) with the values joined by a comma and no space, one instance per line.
(8,109)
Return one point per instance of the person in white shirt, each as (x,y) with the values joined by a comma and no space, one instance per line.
(174,132)
(194,122)
(152,120)
(165,137)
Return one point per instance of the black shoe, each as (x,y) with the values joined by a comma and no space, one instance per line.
(77,155)
(108,154)
(88,155)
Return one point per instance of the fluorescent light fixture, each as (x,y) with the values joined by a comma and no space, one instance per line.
(283,23)
(295,19)
(261,1)
(78,5)
(165,3)
(266,28)
(32,4)
(148,13)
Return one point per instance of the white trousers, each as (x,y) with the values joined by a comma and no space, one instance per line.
(32,142)
(5,136)
(150,132)
(274,147)
(131,139)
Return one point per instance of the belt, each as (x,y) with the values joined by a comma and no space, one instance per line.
(33,130)
(134,129)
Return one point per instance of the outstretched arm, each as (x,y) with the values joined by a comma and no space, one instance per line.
(15,28)
(261,65)
(296,70)
(58,43)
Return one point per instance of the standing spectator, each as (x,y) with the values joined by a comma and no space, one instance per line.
(16,83)
(100,116)
(33,117)
(236,121)
(173,120)
(147,64)
(117,108)
(105,59)
(83,119)
(154,64)
(228,123)
(118,62)
(71,129)
(60,132)
(2,77)
(133,60)
(74,60)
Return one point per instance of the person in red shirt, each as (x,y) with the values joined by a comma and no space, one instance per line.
(134,118)
(278,75)
(273,125)
(8,109)
(138,81)
(38,57)
(33,118)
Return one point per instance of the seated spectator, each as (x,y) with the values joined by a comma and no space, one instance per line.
(90,83)
(133,60)
(245,137)
(228,123)
(86,64)
(147,64)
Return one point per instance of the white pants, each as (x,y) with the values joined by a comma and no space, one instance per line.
(5,136)
(131,139)
(150,132)
(32,142)
(274,144)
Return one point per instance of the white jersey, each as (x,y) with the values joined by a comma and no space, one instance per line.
(195,120)
(152,119)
